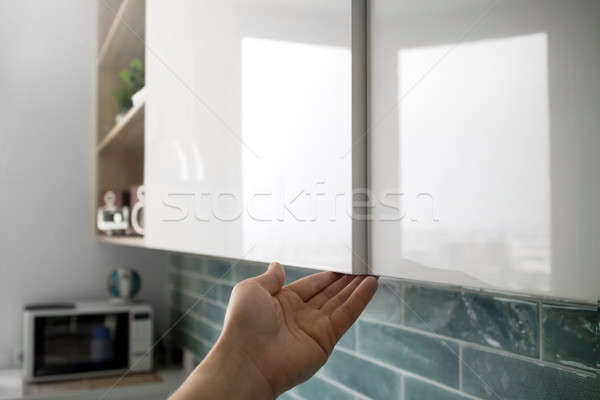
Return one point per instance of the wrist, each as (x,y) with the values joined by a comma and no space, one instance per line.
(227,372)
(237,371)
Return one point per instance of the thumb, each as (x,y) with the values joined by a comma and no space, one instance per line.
(272,279)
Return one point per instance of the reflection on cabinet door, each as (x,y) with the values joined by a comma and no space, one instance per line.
(255,130)
(484,144)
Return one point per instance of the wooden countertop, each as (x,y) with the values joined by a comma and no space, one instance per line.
(156,385)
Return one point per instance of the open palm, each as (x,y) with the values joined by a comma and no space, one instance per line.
(289,332)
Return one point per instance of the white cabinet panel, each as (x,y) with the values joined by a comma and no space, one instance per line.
(484,143)
(254,131)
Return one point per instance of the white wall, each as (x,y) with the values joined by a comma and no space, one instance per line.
(47,252)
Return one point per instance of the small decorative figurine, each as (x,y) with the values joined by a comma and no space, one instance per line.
(111,218)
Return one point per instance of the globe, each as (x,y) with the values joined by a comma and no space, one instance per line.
(123,283)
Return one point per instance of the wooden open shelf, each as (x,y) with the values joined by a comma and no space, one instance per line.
(125,38)
(126,135)
(132,241)
(118,149)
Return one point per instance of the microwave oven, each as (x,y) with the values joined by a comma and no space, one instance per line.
(86,339)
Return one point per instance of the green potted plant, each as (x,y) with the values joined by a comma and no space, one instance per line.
(132,81)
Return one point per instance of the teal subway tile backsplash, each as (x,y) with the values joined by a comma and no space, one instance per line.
(187,323)
(349,340)
(196,284)
(191,343)
(182,301)
(289,396)
(207,331)
(319,388)
(224,293)
(409,343)
(293,274)
(416,389)
(191,324)
(176,260)
(494,321)
(387,304)
(246,269)
(221,269)
(363,376)
(572,336)
(427,356)
(495,376)
(214,267)
(212,312)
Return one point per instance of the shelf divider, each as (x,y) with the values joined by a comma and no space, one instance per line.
(129,132)
(125,37)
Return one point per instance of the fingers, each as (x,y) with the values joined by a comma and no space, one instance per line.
(272,279)
(339,299)
(321,298)
(308,286)
(345,315)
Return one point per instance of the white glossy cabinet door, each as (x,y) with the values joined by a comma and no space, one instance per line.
(254,131)
(484,144)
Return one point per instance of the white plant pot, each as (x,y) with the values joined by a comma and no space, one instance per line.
(119,117)
(139,97)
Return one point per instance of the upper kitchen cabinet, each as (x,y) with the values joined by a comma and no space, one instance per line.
(484,143)
(255,122)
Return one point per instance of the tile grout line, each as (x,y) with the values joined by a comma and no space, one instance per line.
(198,338)
(341,386)
(403,308)
(202,318)
(404,372)
(460,367)
(505,295)
(295,395)
(540,336)
(191,293)
(357,328)
(480,347)
(402,387)
(192,274)
(208,322)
